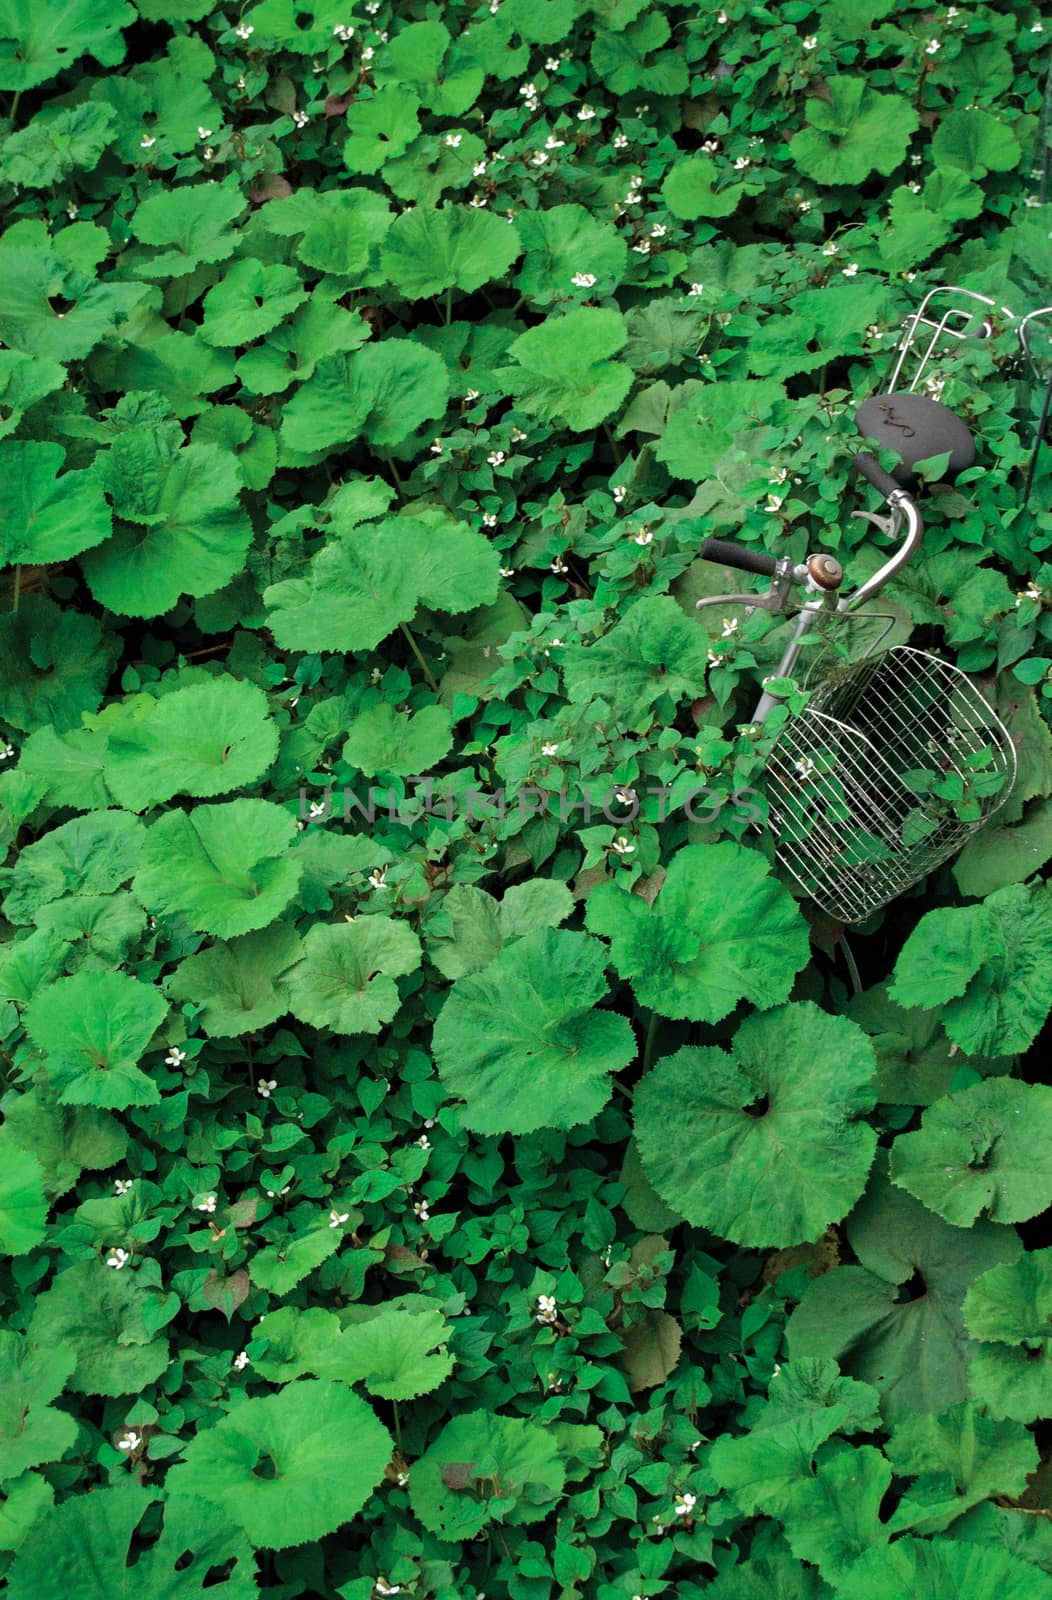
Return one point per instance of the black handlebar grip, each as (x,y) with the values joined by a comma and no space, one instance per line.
(869,468)
(735,555)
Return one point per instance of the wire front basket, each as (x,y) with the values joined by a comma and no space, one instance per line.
(896,761)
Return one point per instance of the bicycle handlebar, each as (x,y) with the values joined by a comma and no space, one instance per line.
(734,555)
(870,469)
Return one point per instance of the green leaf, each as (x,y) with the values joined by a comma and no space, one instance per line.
(1009,1311)
(281,1267)
(473,918)
(90,855)
(481,1465)
(833,1517)
(895,1320)
(360,586)
(345,978)
(188,224)
(430,249)
(249,301)
(291,1467)
(57,143)
(997,856)
(202,740)
(958,1459)
(974,142)
(100,1312)
(852,132)
(523,1041)
(564,375)
(715,418)
(689,190)
(81,1548)
(37,42)
(761,1469)
(555,241)
(381,393)
(916,1063)
(986,966)
(23,1208)
(397,1351)
(94,1028)
(239,985)
(762,1145)
(539,903)
(23,381)
(650,652)
(31,1430)
(65,1139)
(180,526)
(380,128)
(720,930)
(383,740)
(931,1569)
(220,867)
(34,281)
(54,664)
(986,1150)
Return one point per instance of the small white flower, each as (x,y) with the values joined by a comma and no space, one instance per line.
(118,1258)
(489,519)
(207,154)
(642,248)
(1031,592)
(730,627)
(741,163)
(317,808)
(850,270)
(620,493)
(300,118)
(264,1087)
(1032,200)
(130,1441)
(714,659)
(241,84)
(538,158)
(774,502)
(803,206)
(721,16)
(546,1308)
(146,142)
(495,458)
(644,536)
(685,1505)
(549,749)
(952,12)
(585,114)
(122,1185)
(240,1361)
(452,140)
(507,572)
(557,642)
(622,847)
(658,231)
(368,53)
(696,288)
(931,47)
(1037,27)
(429,1122)
(204,134)
(207,1202)
(382,1588)
(710,146)
(277,1194)
(779,476)
(692,1447)
(914,185)
(805,766)
(420,1207)
(6,751)
(344,32)
(175,1058)
(244,30)
(811,41)
(559,565)
(402,1479)
(71,210)
(552,64)
(424,1142)
(620,141)
(378,878)
(336,1217)
(436,448)
(583,280)
(831,248)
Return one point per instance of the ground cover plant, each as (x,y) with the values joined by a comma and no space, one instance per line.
(441,1156)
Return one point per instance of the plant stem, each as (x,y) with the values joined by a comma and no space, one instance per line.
(648,1044)
(449,302)
(394,473)
(17,593)
(415,648)
(617,454)
(398,1428)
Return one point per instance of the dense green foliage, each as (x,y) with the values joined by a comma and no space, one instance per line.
(485,1196)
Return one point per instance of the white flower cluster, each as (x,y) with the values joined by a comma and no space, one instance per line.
(546,1309)
(265,1087)
(338,1217)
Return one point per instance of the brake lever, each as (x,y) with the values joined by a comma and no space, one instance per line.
(775,599)
(886,525)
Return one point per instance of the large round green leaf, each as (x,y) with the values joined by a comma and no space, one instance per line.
(522,1041)
(987,1149)
(23,1207)
(43,516)
(720,930)
(290,1467)
(94,1028)
(345,979)
(762,1145)
(933,1569)
(220,867)
(480,1458)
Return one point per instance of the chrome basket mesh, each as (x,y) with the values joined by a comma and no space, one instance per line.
(896,761)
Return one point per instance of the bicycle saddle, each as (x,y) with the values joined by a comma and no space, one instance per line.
(917,427)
